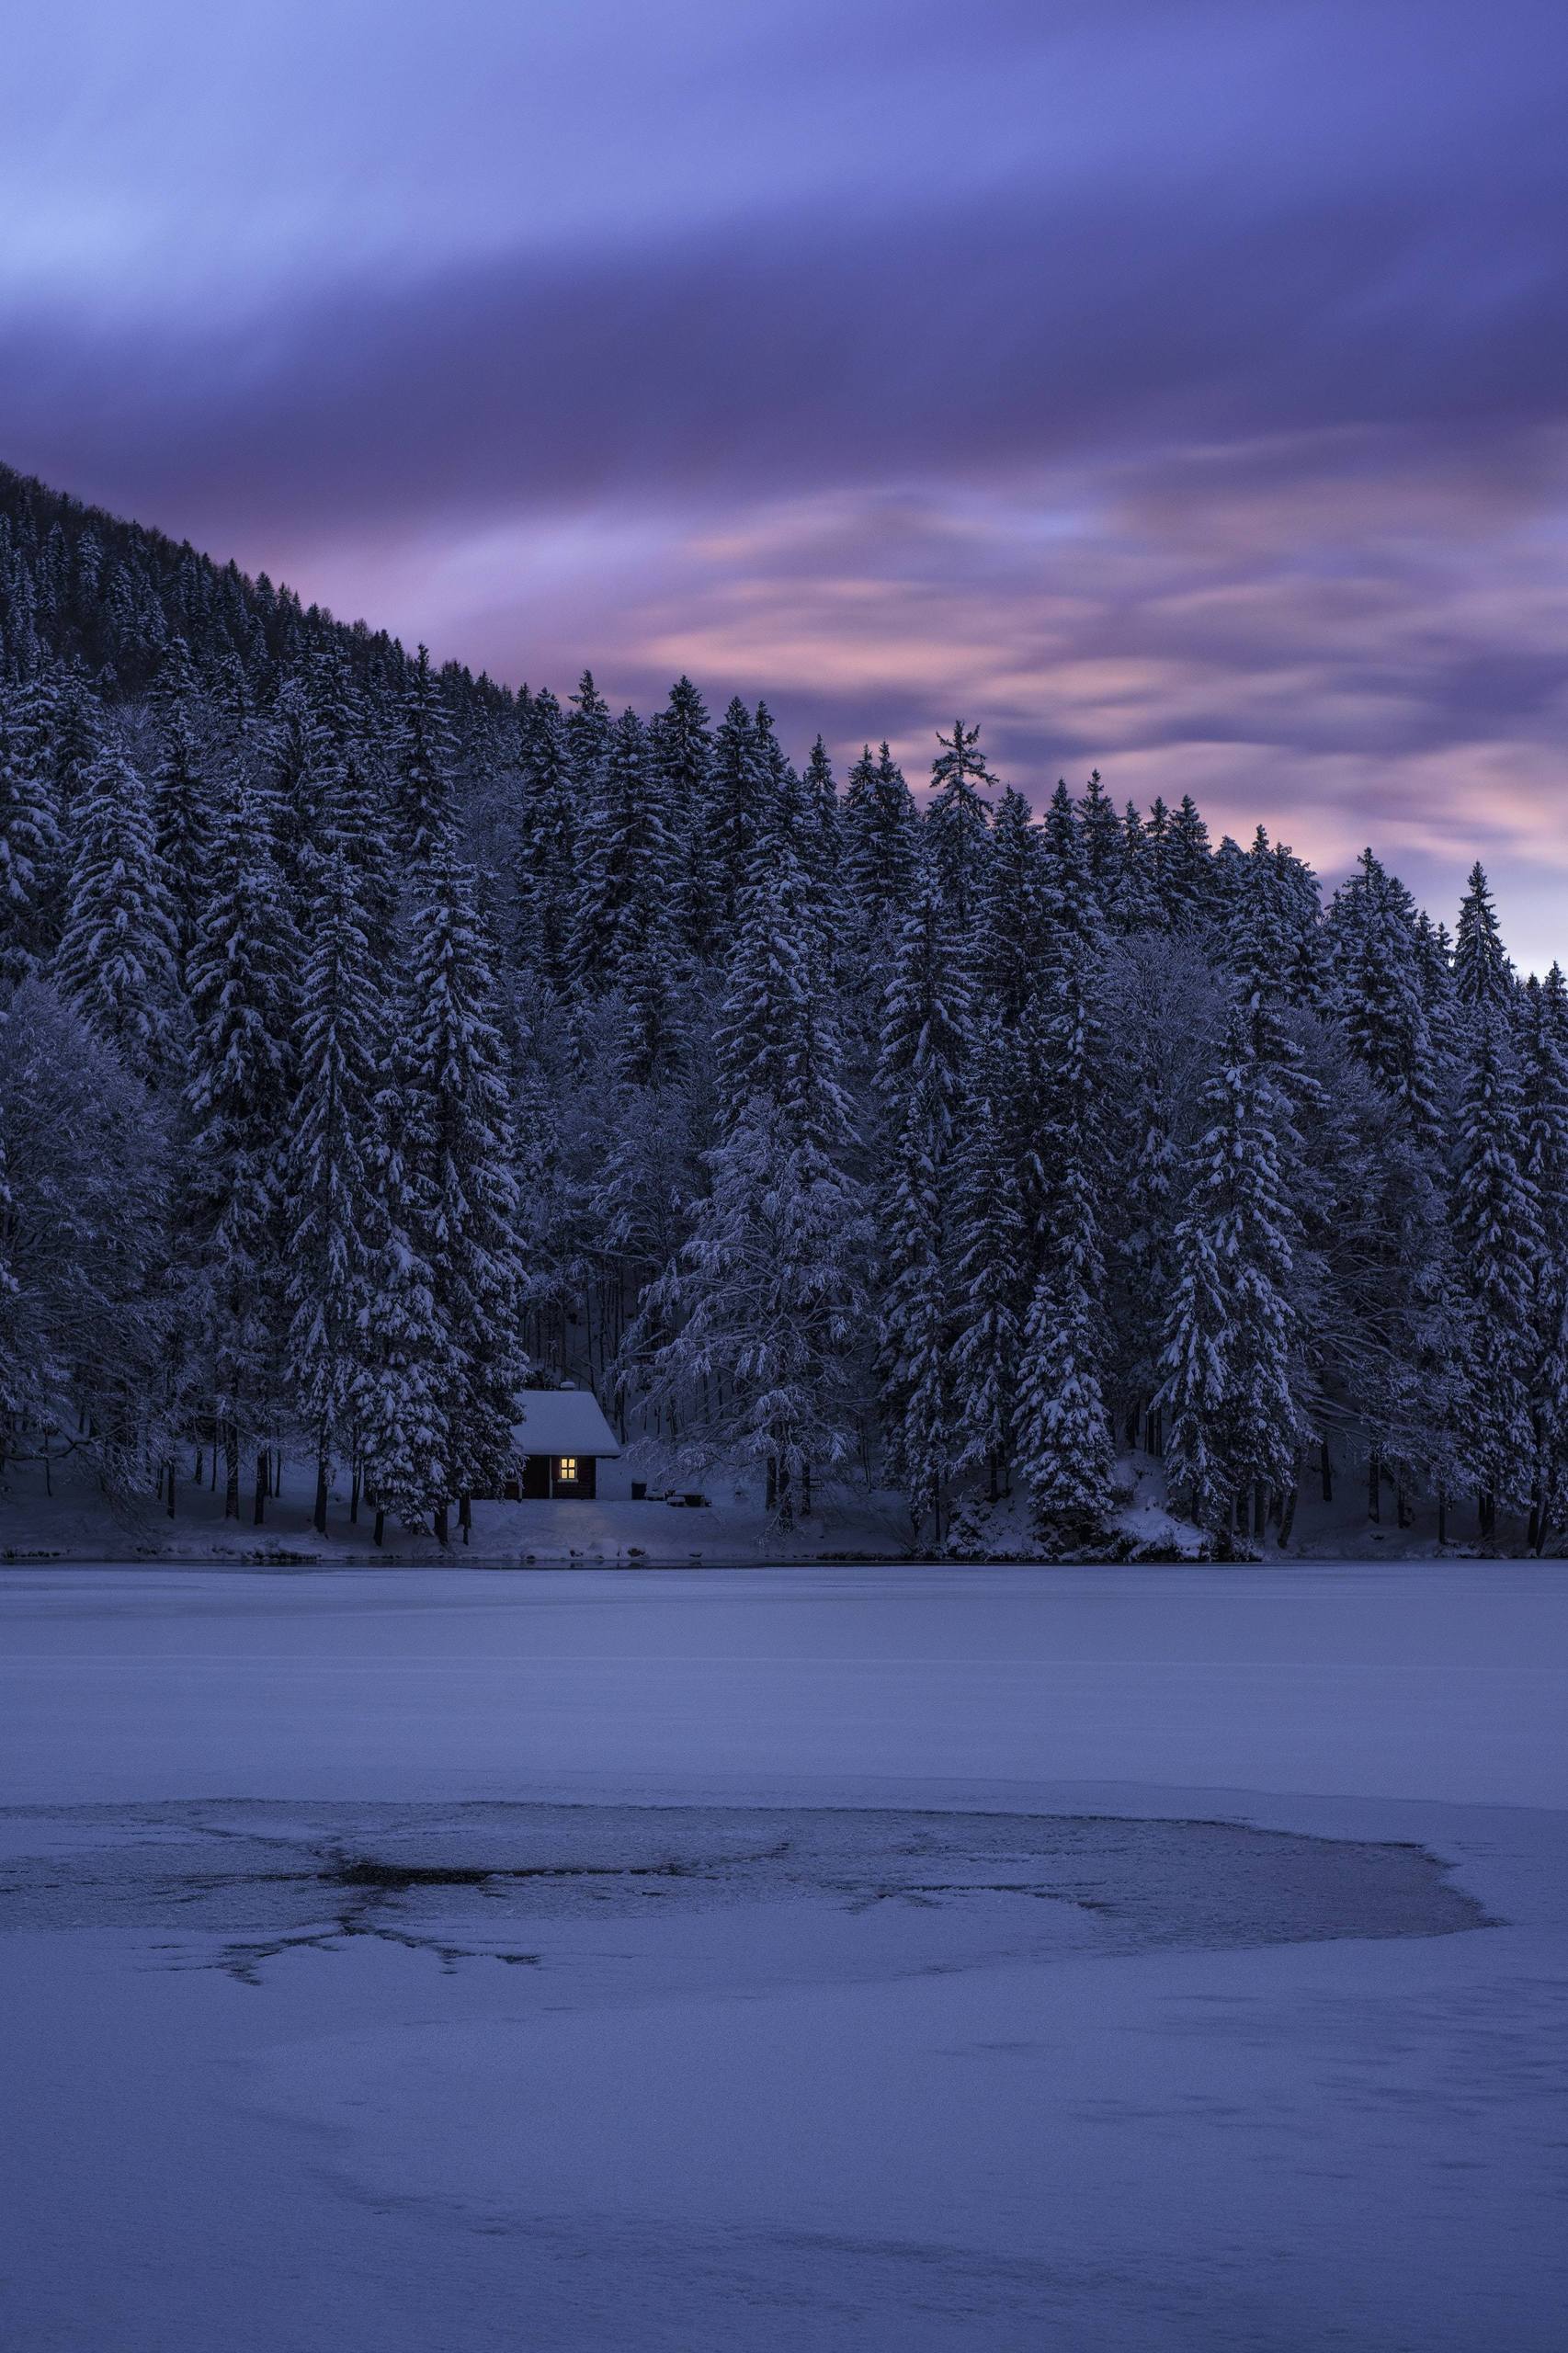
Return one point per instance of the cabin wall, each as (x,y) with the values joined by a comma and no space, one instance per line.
(538,1483)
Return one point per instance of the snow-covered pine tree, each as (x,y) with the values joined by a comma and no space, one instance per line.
(426,760)
(990,1252)
(626,863)
(1105,845)
(1062,1440)
(768,1296)
(1232,1354)
(1010,924)
(880,850)
(116,961)
(737,815)
(928,1010)
(1543,1046)
(409,1366)
(1484,981)
(454,1080)
(1498,1238)
(84,1246)
(1379,996)
(242,982)
(820,808)
(958,820)
(1183,866)
(771,1293)
(1135,906)
(30,836)
(1435,958)
(328,1157)
(681,742)
(181,787)
(1063,1432)
(548,816)
(922,1071)
(587,732)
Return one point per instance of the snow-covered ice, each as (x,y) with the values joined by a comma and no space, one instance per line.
(983,1959)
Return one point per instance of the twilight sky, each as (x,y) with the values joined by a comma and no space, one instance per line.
(1175,385)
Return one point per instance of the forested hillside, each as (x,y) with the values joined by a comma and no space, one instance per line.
(374,1040)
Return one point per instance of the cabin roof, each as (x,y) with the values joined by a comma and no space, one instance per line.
(561,1421)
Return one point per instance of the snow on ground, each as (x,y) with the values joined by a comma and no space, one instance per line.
(797,1958)
(729,1527)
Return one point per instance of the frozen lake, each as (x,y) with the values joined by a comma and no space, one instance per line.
(925,1959)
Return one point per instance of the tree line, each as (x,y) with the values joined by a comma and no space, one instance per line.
(375,1040)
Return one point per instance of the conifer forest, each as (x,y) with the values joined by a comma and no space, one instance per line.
(377,1042)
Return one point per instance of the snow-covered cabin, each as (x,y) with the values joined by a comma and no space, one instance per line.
(559,1444)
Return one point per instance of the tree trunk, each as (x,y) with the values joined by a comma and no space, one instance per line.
(258,1516)
(443,1532)
(1374,1487)
(1442,1514)
(1260,1502)
(772,1483)
(171,1486)
(1286,1518)
(1402,1504)
(465,1515)
(380,1525)
(354,1498)
(1325,1465)
(231,1472)
(806,1490)
(320,1515)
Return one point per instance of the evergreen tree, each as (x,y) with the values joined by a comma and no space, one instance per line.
(921,1074)
(626,868)
(181,790)
(236,1098)
(1185,868)
(958,818)
(459,1153)
(548,818)
(1483,978)
(327,1160)
(769,1297)
(1498,1239)
(1232,1338)
(426,756)
(1544,1052)
(682,744)
(1063,1434)
(820,799)
(1379,995)
(737,816)
(1135,905)
(1105,845)
(30,837)
(880,845)
(1011,921)
(587,733)
(117,949)
(990,1252)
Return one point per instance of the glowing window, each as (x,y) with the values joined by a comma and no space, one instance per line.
(566,1467)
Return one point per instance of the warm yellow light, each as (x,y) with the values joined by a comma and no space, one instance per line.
(566,1466)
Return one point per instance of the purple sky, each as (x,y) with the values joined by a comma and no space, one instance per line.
(1175,385)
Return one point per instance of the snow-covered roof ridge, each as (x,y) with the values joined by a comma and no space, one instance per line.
(563,1421)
